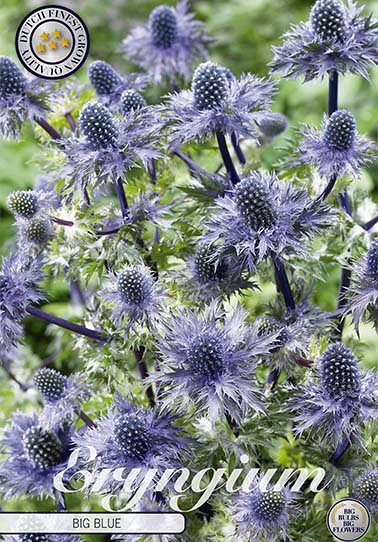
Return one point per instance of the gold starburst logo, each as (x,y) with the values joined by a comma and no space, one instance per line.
(53,42)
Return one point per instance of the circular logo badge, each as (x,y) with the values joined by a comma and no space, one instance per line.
(52,42)
(348,519)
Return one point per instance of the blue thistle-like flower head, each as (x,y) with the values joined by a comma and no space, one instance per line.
(42,448)
(51,384)
(328,20)
(208,362)
(372,261)
(207,268)
(36,231)
(63,396)
(168,45)
(21,98)
(98,126)
(255,204)
(134,294)
(336,38)
(210,86)
(363,293)
(132,437)
(163,27)
(12,80)
(339,371)
(23,203)
(263,512)
(131,100)
(134,285)
(342,402)
(263,217)
(18,288)
(337,149)
(110,146)
(217,103)
(366,488)
(270,326)
(103,77)
(341,130)
(33,456)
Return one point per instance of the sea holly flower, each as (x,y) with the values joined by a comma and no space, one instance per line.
(337,149)
(62,395)
(363,294)
(341,401)
(263,513)
(18,289)
(209,362)
(21,98)
(109,84)
(366,488)
(23,203)
(265,217)
(135,295)
(206,276)
(108,147)
(217,105)
(33,456)
(337,37)
(168,45)
(35,232)
(131,437)
(132,100)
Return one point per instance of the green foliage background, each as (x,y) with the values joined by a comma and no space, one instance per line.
(244,32)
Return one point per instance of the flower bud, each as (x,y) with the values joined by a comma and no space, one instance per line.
(163,27)
(210,86)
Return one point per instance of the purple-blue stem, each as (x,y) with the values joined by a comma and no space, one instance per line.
(237,148)
(143,373)
(14,378)
(226,157)
(340,451)
(71,122)
(193,167)
(118,184)
(48,128)
(61,322)
(370,224)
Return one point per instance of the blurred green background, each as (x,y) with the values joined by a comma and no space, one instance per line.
(244,31)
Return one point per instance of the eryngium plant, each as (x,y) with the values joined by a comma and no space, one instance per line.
(169,304)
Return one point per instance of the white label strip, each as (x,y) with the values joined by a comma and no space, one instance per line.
(81,523)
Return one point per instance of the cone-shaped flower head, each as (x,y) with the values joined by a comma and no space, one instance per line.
(12,80)
(268,505)
(366,487)
(206,356)
(132,100)
(51,384)
(208,267)
(23,203)
(255,204)
(341,130)
(372,261)
(339,371)
(42,448)
(328,20)
(273,125)
(132,436)
(163,27)
(134,285)
(36,230)
(98,126)
(269,326)
(210,86)
(103,77)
